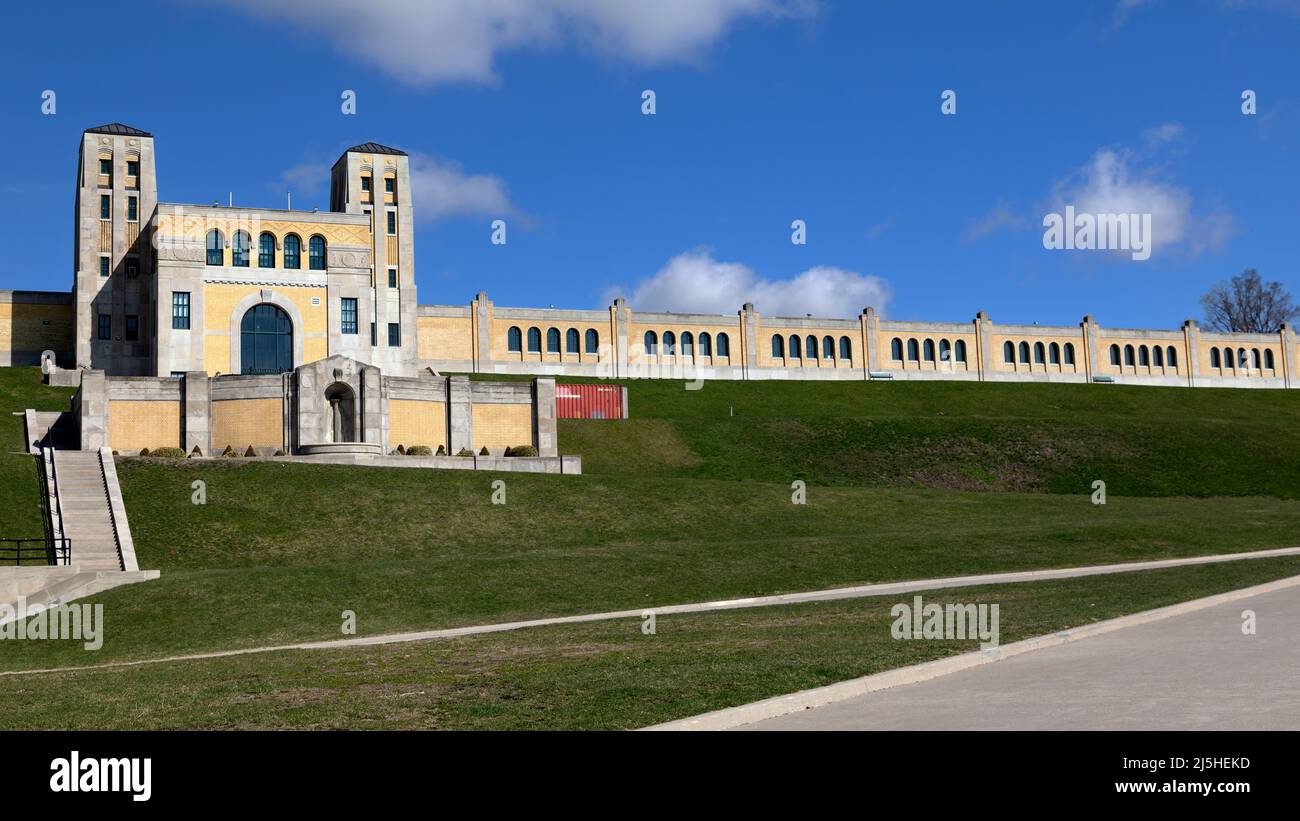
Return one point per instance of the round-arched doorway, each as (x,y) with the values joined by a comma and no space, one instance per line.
(266,340)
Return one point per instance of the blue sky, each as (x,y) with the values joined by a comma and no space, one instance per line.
(767,112)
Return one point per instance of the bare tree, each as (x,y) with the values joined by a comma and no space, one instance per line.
(1248,304)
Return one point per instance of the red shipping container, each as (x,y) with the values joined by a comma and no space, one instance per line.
(588,401)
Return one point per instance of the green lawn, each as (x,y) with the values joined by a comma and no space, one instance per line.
(606,675)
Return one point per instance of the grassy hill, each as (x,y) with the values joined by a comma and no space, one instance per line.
(20,504)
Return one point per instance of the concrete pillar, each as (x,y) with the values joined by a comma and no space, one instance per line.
(195,405)
(749,319)
(481,311)
(459,414)
(1287,335)
(92,410)
(870,341)
(622,317)
(374,408)
(984,330)
(1090,334)
(545,431)
(1192,350)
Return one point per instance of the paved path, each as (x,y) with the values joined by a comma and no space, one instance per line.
(863,591)
(1194,671)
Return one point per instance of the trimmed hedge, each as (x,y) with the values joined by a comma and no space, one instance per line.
(521,450)
(164,453)
(419,450)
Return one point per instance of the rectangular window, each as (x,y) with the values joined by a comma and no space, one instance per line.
(103,266)
(394,335)
(392,223)
(105,166)
(372,334)
(133,168)
(349,314)
(105,326)
(389,184)
(392,277)
(180,310)
(105,206)
(132,328)
(132,209)
(365,183)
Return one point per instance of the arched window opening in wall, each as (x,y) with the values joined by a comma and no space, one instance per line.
(1008,353)
(896,349)
(846,349)
(688,344)
(266,250)
(1114,355)
(828,348)
(341,405)
(913,351)
(552,340)
(724,345)
(929,350)
(514,340)
(239,249)
(266,340)
(316,253)
(1040,354)
(795,348)
(1158,357)
(1024,353)
(1054,354)
(670,344)
(571,340)
(811,348)
(1268,359)
(593,341)
(778,346)
(959,352)
(651,343)
(216,243)
(706,344)
(534,340)
(1144,357)
(1171,356)
(945,350)
(1254,358)
(1128,355)
(1215,362)
(1069,354)
(292,252)
(1242,359)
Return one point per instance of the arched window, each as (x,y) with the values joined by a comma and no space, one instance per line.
(828,348)
(846,349)
(239,249)
(1144,356)
(316,253)
(1040,353)
(945,350)
(1069,353)
(1171,356)
(896,349)
(552,340)
(1024,353)
(959,353)
(292,252)
(266,251)
(534,340)
(1008,352)
(688,344)
(670,344)
(1214,358)
(778,346)
(593,341)
(1268,359)
(266,340)
(216,244)
(514,340)
(1114,355)
(913,351)
(929,350)
(1254,358)
(1158,357)
(571,340)
(811,349)
(651,343)
(1054,354)
(1128,355)
(724,346)
(706,345)
(794,348)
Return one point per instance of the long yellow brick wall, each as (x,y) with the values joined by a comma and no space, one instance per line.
(133,425)
(500,426)
(416,422)
(34,328)
(444,338)
(243,422)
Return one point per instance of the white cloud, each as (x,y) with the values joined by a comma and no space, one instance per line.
(696,282)
(1001,217)
(442,189)
(424,42)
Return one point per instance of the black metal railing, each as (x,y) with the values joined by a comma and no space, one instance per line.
(39,550)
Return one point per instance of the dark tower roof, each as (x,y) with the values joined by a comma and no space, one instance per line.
(376,148)
(119,130)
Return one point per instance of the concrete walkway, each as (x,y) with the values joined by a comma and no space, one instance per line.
(834,594)
(1183,667)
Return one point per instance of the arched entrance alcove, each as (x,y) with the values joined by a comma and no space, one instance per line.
(341,406)
(265,340)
